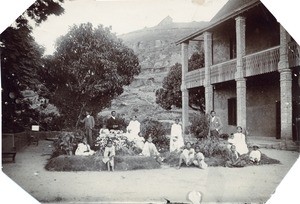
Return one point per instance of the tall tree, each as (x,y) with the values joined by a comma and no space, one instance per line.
(170,93)
(89,68)
(20,60)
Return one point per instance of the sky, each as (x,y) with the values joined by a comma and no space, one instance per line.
(129,15)
(123,15)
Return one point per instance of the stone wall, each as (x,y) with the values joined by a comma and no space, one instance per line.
(261,33)
(223,92)
(262,94)
(221,42)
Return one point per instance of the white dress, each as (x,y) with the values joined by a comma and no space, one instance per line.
(255,154)
(176,139)
(108,153)
(239,142)
(188,155)
(104,132)
(149,150)
(200,156)
(84,150)
(133,129)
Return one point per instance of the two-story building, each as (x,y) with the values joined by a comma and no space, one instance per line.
(251,74)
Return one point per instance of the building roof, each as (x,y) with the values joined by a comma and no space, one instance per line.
(231,9)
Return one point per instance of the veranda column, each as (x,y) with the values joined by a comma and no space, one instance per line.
(185,93)
(240,72)
(285,86)
(208,62)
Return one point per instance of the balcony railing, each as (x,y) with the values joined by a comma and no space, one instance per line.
(223,72)
(262,62)
(255,64)
(294,54)
(195,78)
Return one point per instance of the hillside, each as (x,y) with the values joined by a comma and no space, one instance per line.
(155,46)
(157,52)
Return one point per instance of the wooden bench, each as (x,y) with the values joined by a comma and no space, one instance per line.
(10,154)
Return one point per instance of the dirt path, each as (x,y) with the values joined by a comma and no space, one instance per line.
(217,184)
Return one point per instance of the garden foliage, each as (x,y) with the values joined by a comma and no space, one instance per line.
(157,131)
(88,69)
(199,127)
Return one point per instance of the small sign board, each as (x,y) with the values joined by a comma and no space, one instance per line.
(35,128)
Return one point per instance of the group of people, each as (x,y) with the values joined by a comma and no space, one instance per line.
(237,146)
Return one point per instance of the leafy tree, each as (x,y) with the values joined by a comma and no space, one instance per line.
(20,60)
(88,69)
(170,93)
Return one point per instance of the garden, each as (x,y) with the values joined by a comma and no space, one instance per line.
(128,154)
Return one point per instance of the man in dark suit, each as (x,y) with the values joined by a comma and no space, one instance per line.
(215,125)
(89,124)
(112,123)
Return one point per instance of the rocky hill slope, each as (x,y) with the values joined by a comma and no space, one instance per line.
(157,52)
(155,46)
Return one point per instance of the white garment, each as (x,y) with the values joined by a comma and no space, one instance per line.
(200,156)
(149,150)
(188,156)
(108,156)
(239,142)
(176,139)
(84,150)
(255,154)
(104,132)
(133,129)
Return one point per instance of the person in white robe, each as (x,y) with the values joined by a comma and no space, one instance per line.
(149,149)
(109,156)
(239,141)
(104,131)
(84,149)
(133,128)
(176,139)
(133,133)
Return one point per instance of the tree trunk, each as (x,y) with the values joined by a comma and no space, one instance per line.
(77,122)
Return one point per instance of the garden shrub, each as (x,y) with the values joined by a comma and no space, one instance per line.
(199,125)
(158,132)
(212,147)
(122,145)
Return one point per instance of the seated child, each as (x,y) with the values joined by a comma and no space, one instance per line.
(199,159)
(84,149)
(187,155)
(109,154)
(104,131)
(234,159)
(255,155)
(150,150)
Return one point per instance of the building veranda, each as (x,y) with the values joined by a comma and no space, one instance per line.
(251,74)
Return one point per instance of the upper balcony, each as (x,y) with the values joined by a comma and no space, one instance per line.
(261,62)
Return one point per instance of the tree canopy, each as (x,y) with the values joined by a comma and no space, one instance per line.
(21,57)
(170,93)
(88,69)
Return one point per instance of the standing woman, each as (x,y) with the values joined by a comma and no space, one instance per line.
(176,139)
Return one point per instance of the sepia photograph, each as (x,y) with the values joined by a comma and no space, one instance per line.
(149,101)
